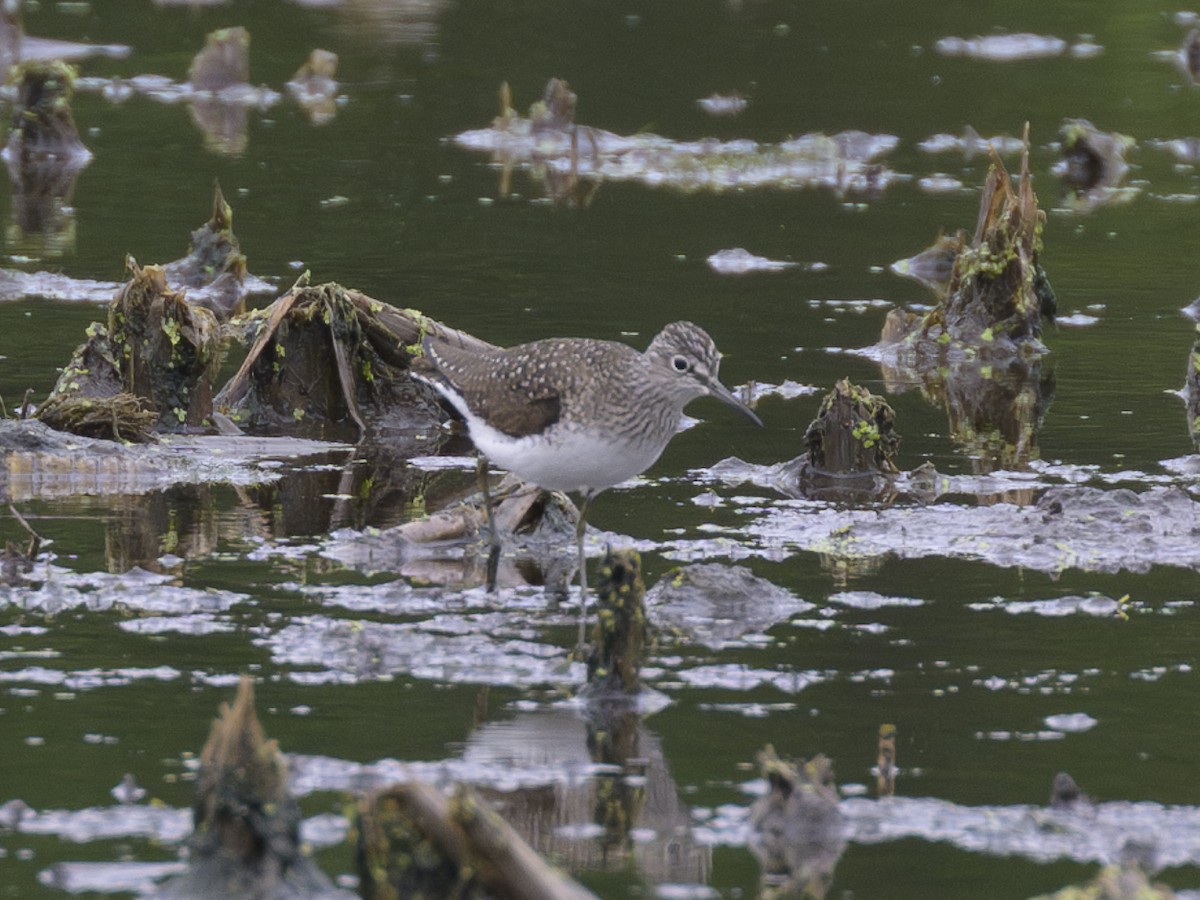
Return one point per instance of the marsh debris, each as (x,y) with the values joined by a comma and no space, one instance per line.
(1185,149)
(1002,47)
(399,847)
(17,563)
(150,366)
(217,90)
(168,350)
(12,30)
(885,761)
(851,444)
(619,634)
(414,841)
(39,463)
(315,87)
(610,803)
(1191,390)
(16,46)
(449,544)
(739,261)
(246,825)
(330,358)
(724,106)
(1093,164)
(219,78)
(1124,881)
(44,156)
(850,454)
(796,827)
(717,605)
(115,417)
(224,62)
(213,272)
(550,144)
(997,293)
(43,125)
(1066,794)
(1065,527)
(979,352)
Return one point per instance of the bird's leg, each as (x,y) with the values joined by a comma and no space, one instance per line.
(580,528)
(493,561)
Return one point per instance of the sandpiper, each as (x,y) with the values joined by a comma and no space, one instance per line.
(577,414)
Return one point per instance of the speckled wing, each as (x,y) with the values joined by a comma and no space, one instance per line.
(493,387)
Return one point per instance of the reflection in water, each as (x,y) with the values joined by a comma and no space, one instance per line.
(797,827)
(390,22)
(978,352)
(223,125)
(314,86)
(555,814)
(44,156)
(591,822)
(571,159)
(1093,166)
(994,412)
(374,488)
(158,531)
(219,74)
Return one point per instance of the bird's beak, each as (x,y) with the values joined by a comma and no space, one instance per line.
(722,393)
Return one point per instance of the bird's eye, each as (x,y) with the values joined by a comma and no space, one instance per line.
(680,363)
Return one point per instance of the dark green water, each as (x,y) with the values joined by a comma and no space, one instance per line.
(422,226)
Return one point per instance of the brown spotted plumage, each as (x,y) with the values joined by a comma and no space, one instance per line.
(578,413)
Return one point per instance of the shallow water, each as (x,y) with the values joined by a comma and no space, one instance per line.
(995,637)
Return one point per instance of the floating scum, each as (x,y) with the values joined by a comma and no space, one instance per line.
(573,160)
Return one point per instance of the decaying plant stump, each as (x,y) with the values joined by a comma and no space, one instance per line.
(619,635)
(246,826)
(221,68)
(997,292)
(42,121)
(150,369)
(168,350)
(854,433)
(329,357)
(850,454)
(979,352)
(413,841)
(215,262)
(1093,160)
(797,826)
(44,156)
(314,86)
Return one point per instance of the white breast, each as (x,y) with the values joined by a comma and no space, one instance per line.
(568,460)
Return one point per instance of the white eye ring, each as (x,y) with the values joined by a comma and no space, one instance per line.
(680,363)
